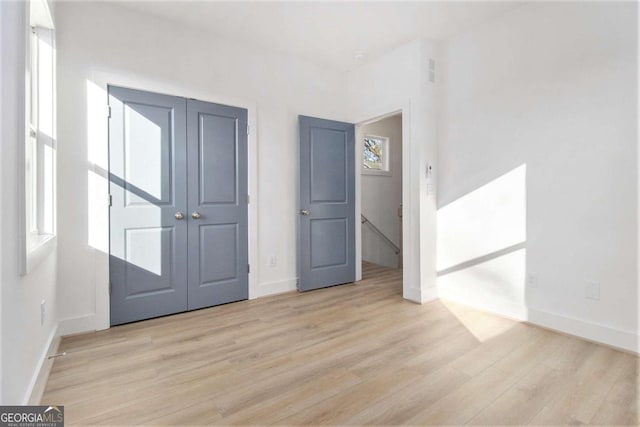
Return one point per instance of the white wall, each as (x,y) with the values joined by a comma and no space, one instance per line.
(638,188)
(551,89)
(100,43)
(24,340)
(382,196)
(3,63)
(399,80)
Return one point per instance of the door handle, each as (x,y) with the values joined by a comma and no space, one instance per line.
(179,216)
(195,215)
(304,212)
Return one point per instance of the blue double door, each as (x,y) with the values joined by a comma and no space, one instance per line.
(179,208)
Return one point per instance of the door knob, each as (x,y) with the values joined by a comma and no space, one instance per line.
(304,212)
(195,215)
(179,216)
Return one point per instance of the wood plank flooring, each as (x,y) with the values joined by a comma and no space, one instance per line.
(355,354)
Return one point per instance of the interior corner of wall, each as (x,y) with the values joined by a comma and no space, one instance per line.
(75,325)
(429,294)
(413,295)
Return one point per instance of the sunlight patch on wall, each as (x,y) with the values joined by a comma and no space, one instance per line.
(482,246)
(489,219)
(140,244)
(496,285)
(97,126)
(97,167)
(97,216)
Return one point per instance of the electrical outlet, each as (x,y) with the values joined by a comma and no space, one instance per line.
(42,311)
(592,291)
(532,280)
(273,260)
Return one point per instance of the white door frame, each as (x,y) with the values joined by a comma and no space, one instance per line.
(392,110)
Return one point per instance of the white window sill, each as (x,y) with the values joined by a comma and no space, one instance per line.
(39,249)
(375,172)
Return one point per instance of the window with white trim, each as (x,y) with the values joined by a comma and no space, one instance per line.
(375,157)
(40,140)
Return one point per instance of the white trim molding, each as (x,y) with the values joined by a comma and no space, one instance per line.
(76,325)
(277,287)
(40,376)
(591,331)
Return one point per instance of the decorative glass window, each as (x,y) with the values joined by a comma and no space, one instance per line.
(375,158)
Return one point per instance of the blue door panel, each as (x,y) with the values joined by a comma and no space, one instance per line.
(217,175)
(326,227)
(147,183)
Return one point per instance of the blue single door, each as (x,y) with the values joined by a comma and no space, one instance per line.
(148,187)
(326,229)
(218,208)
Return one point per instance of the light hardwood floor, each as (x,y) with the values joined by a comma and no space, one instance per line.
(349,355)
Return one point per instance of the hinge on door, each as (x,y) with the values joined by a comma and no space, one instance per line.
(248,268)
(247,129)
(110,200)
(248,199)
(108,111)
(110,287)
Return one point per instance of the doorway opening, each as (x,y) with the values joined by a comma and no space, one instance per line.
(380,154)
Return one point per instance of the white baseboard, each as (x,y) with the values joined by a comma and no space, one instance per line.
(591,331)
(421,296)
(277,287)
(430,294)
(413,294)
(77,325)
(41,373)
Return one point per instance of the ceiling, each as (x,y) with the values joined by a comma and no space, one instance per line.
(328,33)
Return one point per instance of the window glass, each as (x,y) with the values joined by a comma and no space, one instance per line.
(373,152)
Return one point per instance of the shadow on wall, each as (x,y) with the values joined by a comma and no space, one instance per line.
(482,246)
